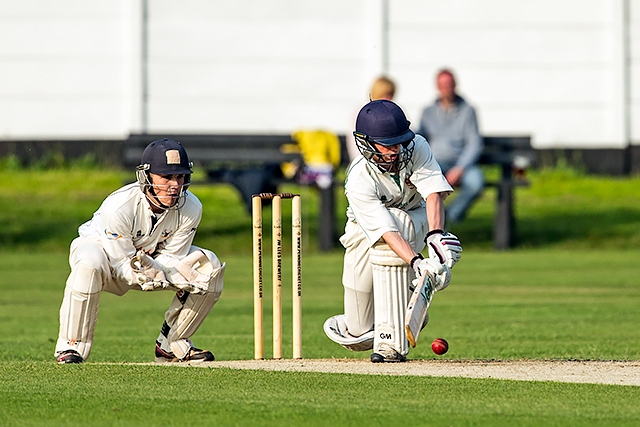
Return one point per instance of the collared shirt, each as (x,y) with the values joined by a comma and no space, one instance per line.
(125,223)
(452,134)
(371,192)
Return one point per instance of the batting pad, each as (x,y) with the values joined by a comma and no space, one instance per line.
(391,278)
(390,288)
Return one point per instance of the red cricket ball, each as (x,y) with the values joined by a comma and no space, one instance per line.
(439,346)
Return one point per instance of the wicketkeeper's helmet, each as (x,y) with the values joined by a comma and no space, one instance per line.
(383,122)
(164,157)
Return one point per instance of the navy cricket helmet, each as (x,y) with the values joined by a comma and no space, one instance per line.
(165,157)
(383,122)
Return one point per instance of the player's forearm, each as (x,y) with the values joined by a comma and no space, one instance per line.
(435,210)
(399,245)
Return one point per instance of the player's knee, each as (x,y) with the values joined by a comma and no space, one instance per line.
(213,258)
(86,278)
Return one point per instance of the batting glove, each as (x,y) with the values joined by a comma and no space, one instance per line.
(444,247)
(441,273)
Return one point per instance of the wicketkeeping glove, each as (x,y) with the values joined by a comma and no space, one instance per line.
(184,276)
(441,273)
(444,247)
(147,272)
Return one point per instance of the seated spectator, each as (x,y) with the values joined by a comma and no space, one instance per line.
(451,128)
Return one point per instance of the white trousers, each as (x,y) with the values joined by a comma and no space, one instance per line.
(357,274)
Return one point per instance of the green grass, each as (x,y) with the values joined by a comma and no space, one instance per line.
(534,311)
(568,291)
(161,396)
(561,209)
(552,309)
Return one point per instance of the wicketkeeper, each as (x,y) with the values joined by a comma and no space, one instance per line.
(141,239)
(396,194)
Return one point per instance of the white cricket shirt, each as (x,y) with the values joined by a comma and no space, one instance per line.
(125,223)
(371,192)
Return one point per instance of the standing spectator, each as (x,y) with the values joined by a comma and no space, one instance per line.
(451,128)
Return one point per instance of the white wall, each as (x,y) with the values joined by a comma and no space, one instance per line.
(253,66)
(552,68)
(64,69)
(545,68)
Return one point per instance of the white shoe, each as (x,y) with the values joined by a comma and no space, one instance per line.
(386,353)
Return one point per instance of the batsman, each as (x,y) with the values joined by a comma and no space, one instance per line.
(141,239)
(396,192)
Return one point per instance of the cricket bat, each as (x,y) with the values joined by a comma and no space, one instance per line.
(418,306)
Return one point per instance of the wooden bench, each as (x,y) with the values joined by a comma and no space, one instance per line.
(252,164)
(513,154)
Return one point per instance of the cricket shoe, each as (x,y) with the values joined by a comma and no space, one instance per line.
(69,356)
(387,354)
(194,355)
